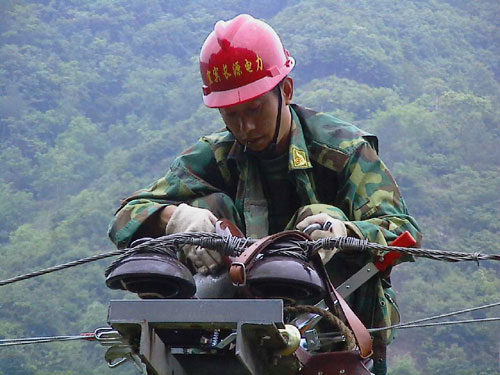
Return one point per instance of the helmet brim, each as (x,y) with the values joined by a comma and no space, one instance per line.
(220,99)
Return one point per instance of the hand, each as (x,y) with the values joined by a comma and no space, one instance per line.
(336,228)
(186,218)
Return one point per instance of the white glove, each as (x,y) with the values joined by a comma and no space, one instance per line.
(192,219)
(335,229)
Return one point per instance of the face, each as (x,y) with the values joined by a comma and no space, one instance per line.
(253,123)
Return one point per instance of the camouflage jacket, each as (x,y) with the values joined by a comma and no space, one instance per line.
(330,161)
(335,169)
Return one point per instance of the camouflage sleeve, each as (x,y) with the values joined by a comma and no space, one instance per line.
(371,200)
(192,174)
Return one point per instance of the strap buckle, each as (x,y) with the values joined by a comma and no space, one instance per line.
(241,272)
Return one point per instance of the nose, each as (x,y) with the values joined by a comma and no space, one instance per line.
(246,125)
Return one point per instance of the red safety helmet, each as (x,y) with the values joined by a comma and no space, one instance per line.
(240,60)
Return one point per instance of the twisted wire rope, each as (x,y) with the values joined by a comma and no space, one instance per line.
(44,339)
(234,246)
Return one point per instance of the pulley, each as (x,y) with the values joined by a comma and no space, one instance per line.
(285,277)
(152,275)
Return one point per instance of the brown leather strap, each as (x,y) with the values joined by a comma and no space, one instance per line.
(227,228)
(303,355)
(242,264)
(333,363)
(358,328)
(360,332)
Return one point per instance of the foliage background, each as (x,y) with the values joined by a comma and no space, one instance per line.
(96,97)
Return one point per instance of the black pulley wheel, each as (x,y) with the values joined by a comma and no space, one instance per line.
(152,275)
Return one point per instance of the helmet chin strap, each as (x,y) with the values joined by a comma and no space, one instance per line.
(270,151)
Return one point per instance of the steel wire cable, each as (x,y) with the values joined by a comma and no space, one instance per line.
(412,324)
(449,314)
(355,244)
(234,246)
(417,323)
(45,339)
(331,335)
(61,267)
(446,323)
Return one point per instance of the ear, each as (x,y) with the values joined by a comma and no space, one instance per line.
(287,89)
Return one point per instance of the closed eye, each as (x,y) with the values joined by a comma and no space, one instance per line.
(226,113)
(254,110)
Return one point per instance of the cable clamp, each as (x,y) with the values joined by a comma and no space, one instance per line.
(107,336)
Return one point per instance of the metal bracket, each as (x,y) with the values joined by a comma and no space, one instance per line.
(254,346)
(155,355)
(359,278)
(165,335)
(118,354)
(119,351)
(228,340)
(312,340)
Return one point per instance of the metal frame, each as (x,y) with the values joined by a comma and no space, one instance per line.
(256,324)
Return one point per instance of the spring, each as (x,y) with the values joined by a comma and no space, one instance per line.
(215,337)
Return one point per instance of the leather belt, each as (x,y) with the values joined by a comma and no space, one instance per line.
(244,263)
(359,330)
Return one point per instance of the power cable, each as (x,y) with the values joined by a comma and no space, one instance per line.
(325,337)
(416,323)
(450,314)
(91,336)
(61,267)
(447,323)
(233,246)
(46,339)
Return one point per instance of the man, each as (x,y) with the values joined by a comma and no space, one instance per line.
(276,166)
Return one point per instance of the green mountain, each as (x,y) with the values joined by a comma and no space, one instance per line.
(97,97)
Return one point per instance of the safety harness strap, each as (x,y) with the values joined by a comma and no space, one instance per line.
(360,332)
(242,264)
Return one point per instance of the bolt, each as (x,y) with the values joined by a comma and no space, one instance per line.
(264,338)
(203,340)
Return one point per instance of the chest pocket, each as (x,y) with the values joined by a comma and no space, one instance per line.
(327,163)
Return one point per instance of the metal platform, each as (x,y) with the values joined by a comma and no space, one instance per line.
(204,337)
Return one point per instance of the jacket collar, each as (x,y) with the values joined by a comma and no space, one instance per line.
(297,151)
